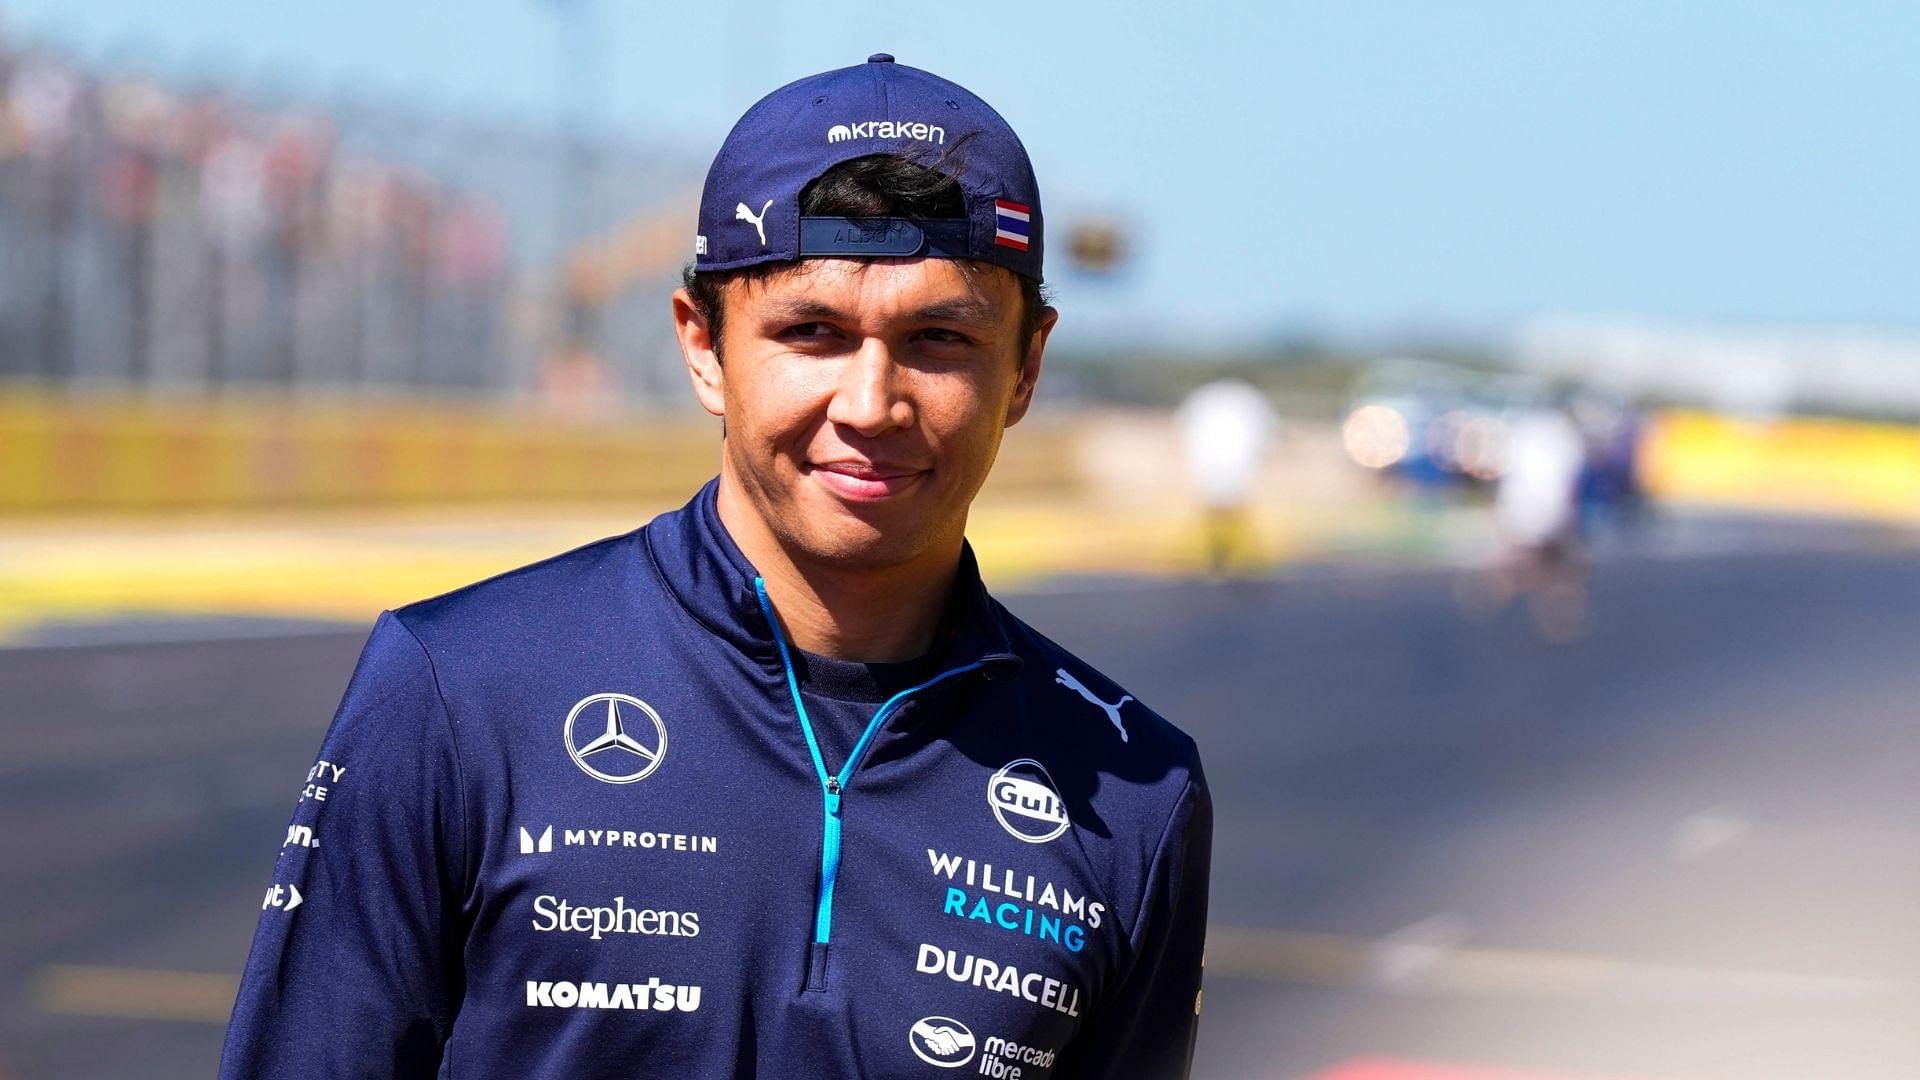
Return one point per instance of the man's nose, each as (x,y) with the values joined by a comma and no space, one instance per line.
(870,397)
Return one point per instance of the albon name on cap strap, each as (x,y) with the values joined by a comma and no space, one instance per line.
(870,237)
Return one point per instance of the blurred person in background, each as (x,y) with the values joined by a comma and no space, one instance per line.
(771,786)
(1226,428)
(1611,499)
(1536,506)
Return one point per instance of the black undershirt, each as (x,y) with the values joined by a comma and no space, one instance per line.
(842,695)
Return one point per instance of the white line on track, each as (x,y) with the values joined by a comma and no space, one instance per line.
(1484,971)
(1412,954)
(1699,835)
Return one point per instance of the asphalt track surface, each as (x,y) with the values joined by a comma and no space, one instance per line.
(1684,846)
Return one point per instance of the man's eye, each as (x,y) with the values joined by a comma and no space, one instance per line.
(808,330)
(945,336)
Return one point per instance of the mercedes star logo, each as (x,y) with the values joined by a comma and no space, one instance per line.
(617,752)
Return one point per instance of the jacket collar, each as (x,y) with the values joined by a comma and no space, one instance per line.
(706,571)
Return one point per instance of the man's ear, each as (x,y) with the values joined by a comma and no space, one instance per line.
(1030,367)
(703,360)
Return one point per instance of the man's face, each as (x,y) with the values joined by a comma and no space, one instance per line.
(865,399)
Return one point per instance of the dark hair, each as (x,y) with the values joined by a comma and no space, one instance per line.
(900,184)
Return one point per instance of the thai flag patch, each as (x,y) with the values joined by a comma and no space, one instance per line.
(1010,226)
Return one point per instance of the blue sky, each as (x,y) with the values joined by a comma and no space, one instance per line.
(1355,168)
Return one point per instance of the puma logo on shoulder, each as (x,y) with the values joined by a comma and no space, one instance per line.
(742,213)
(1064,678)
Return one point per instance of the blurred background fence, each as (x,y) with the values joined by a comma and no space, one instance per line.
(166,241)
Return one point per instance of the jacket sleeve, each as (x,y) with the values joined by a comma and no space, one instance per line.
(355,968)
(1145,1029)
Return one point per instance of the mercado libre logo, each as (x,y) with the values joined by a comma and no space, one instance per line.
(942,1041)
(1026,802)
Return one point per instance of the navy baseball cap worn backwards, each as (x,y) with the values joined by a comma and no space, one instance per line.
(750,207)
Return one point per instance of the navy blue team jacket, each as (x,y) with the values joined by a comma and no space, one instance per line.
(573,821)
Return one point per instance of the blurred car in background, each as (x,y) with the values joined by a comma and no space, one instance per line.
(1435,425)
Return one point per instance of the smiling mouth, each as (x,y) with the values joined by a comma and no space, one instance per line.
(864,483)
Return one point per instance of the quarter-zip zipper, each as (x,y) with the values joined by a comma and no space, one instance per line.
(833,786)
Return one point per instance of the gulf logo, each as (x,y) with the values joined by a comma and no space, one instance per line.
(1026,802)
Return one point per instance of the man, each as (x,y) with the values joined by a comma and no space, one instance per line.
(770,787)
(1226,427)
(1536,504)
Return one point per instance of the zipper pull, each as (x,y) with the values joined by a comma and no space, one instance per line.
(833,785)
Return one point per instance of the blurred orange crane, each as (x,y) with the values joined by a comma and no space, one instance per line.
(596,272)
